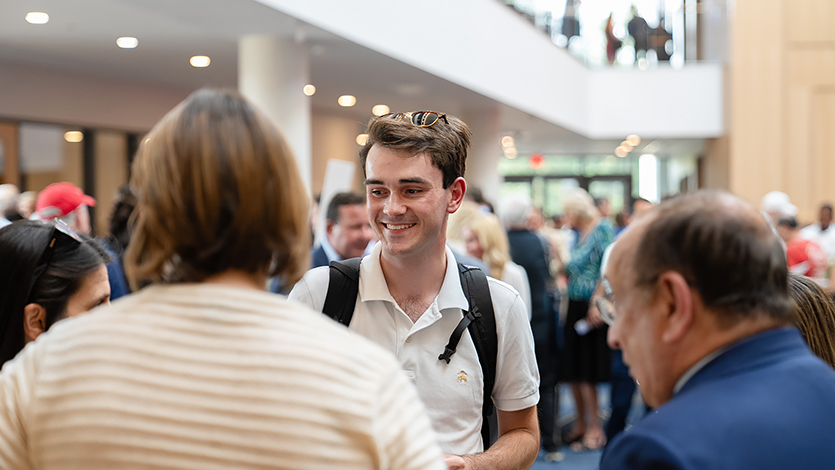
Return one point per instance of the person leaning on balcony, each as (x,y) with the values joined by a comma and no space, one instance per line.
(204,368)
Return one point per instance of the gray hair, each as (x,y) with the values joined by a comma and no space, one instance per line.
(514,211)
(578,203)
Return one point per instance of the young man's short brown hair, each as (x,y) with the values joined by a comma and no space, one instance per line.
(218,190)
(446,142)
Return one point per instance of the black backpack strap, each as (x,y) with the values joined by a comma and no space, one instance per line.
(343,286)
(481,322)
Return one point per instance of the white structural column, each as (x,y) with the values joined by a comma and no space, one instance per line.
(483,159)
(272,71)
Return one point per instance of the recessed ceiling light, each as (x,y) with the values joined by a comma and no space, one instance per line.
(37,17)
(362,139)
(507,141)
(621,151)
(346,101)
(200,61)
(127,42)
(511,153)
(309,90)
(73,136)
(380,110)
(634,140)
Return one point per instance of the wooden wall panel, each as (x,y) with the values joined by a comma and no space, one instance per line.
(810,20)
(111,173)
(11,153)
(796,161)
(782,122)
(823,146)
(756,107)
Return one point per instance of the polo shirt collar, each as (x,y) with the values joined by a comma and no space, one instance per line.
(373,286)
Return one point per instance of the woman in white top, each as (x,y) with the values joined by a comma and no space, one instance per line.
(204,368)
(485,239)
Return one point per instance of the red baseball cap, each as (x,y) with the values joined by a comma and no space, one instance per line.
(64,196)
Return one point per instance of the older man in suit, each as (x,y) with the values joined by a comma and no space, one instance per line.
(702,313)
(347,234)
(347,230)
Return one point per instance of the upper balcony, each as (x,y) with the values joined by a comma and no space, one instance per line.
(486,47)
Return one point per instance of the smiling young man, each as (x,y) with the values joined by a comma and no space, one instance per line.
(410,297)
(702,314)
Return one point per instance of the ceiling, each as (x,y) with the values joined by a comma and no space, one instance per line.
(81,35)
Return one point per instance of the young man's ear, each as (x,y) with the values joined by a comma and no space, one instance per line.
(459,189)
(34,321)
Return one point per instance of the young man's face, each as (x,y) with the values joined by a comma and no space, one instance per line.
(407,203)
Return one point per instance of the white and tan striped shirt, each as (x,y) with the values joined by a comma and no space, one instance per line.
(206,377)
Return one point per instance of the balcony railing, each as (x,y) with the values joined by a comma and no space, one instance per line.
(641,33)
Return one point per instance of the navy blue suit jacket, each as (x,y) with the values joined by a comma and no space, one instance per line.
(765,404)
(318,257)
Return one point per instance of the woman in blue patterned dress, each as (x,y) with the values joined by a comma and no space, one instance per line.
(587,358)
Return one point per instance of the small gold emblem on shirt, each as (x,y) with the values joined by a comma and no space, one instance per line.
(462,377)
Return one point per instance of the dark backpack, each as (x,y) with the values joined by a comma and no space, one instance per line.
(480,320)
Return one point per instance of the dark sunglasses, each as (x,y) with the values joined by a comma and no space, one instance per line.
(419,118)
(59,234)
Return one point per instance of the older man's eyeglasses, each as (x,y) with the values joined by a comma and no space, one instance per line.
(419,118)
(60,234)
(606,304)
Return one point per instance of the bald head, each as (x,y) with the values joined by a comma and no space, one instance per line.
(721,245)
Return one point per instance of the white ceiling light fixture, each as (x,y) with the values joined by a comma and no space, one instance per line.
(127,42)
(200,61)
(380,110)
(309,90)
(634,140)
(362,139)
(346,101)
(73,136)
(507,141)
(37,17)
(511,153)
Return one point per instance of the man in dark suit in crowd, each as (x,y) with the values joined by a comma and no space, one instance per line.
(531,251)
(702,314)
(347,234)
(347,230)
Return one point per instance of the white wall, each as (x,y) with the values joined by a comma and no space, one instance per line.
(662,102)
(40,94)
(485,46)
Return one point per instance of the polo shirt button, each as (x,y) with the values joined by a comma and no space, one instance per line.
(409,339)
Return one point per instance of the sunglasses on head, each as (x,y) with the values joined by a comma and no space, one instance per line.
(419,118)
(59,234)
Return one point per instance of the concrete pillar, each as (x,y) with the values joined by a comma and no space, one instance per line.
(483,160)
(272,71)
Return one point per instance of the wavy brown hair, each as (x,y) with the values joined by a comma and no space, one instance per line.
(218,189)
(814,316)
(446,142)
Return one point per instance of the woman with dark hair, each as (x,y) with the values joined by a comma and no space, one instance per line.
(117,241)
(49,273)
(814,316)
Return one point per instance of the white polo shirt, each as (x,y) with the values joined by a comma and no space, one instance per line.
(452,393)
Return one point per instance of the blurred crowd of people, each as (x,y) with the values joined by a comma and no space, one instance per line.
(432,330)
